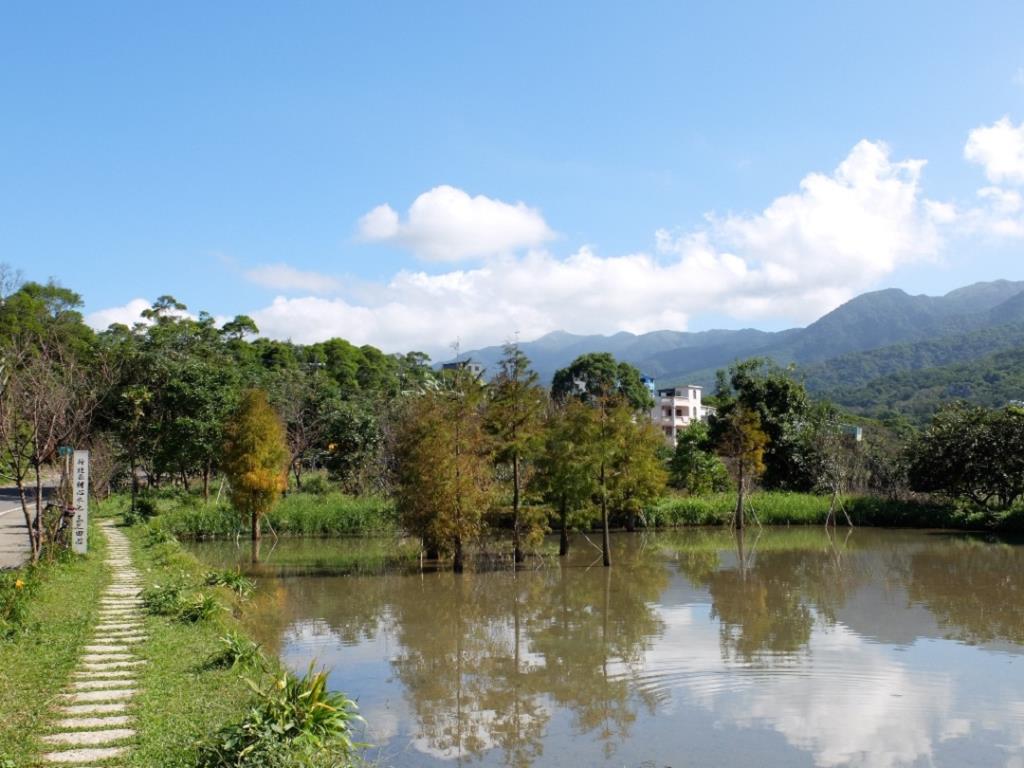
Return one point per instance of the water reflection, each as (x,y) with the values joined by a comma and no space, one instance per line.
(785,648)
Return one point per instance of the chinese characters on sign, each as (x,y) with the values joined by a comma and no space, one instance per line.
(80,480)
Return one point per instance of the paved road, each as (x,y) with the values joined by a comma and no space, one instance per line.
(13,536)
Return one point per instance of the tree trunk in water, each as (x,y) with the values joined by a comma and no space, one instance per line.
(255,526)
(457,559)
(563,542)
(738,519)
(606,541)
(517,548)
(255,550)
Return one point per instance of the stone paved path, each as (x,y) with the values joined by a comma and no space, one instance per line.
(94,721)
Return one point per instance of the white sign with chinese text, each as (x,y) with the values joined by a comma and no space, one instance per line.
(80,485)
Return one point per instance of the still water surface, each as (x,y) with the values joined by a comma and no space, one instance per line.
(881,648)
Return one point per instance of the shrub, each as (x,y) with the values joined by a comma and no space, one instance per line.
(233,580)
(198,607)
(318,485)
(295,721)
(236,651)
(162,600)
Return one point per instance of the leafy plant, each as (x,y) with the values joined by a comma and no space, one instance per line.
(162,600)
(233,580)
(236,651)
(198,607)
(295,721)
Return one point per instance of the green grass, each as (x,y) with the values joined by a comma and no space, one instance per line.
(182,698)
(36,660)
(187,516)
(781,508)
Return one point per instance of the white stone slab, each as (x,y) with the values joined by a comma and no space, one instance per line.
(90,738)
(81,756)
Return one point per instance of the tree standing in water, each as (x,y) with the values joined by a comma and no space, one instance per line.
(515,419)
(443,465)
(743,443)
(566,479)
(613,390)
(255,458)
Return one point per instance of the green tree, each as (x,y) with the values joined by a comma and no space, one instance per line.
(566,477)
(636,473)
(515,418)
(443,472)
(255,458)
(743,444)
(780,402)
(694,466)
(617,394)
(971,453)
(596,377)
(830,458)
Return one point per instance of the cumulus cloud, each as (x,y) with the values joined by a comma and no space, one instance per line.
(129,314)
(801,256)
(999,149)
(447,224)
(287,279)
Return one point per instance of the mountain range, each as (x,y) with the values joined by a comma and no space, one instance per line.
(874,336)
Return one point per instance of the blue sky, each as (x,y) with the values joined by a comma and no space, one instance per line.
(587,166)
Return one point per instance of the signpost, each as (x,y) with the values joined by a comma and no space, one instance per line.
(80,487)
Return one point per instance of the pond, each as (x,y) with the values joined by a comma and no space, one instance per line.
(787,648)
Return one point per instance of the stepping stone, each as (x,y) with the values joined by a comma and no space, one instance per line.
(114,694)
(118,625)
(90,738)
(119,648)
(94,657)
(94,709)
(93,722)
(102,667)
(96,685)
(80,756)
(112,674)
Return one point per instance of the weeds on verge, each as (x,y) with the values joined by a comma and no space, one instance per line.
(233,580)
(236,651)
(295,721)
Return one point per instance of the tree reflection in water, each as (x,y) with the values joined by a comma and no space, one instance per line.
(500,664)
(769,601)
(974,588)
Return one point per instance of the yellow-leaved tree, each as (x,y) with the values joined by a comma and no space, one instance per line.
(255,457)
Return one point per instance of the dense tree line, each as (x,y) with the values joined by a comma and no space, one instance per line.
(156,404)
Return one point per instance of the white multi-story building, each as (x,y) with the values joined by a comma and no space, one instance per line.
(676,408)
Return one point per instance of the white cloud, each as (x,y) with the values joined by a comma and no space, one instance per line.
(129,314)
(999,148)
(446,224)
(803,255)
(284,278)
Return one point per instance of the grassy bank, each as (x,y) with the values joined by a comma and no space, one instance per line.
(182,700)
(780,508)
(187,516)
(46,623)
(195,706)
